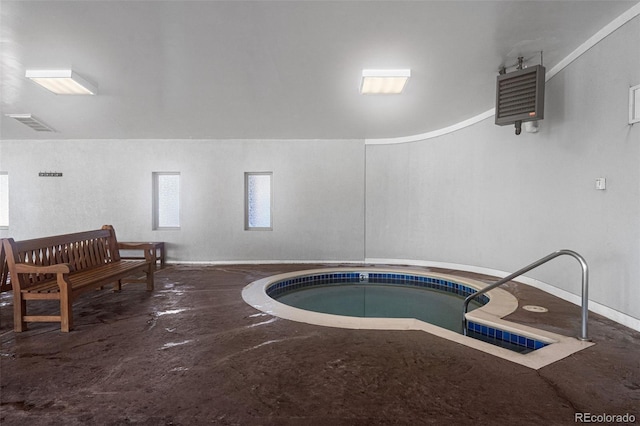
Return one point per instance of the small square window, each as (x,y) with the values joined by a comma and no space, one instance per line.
(258,201)
(166,200)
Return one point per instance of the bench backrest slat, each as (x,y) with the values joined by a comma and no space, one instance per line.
(58,240)
(5,283)
(81,250)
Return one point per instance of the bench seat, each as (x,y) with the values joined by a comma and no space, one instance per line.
(110,273)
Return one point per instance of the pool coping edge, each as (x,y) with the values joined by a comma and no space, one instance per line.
(501,303)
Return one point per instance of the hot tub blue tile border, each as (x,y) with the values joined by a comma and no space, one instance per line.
(506,336)
(278,288)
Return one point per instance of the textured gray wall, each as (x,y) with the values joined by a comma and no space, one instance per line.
(484,197)
(318,201)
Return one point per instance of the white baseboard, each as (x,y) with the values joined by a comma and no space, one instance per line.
(261,262)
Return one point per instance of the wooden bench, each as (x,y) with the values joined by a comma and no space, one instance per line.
(63,267)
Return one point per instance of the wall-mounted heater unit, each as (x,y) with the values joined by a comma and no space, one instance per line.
(520,96)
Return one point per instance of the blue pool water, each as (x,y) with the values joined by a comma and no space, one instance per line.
(394,295)
(381,301)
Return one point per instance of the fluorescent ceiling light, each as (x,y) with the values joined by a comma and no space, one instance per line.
(62,82)
(386,82)
(31,121)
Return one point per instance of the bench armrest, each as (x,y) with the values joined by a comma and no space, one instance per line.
(147,249)
(61,270)
(136,246)
(26,268)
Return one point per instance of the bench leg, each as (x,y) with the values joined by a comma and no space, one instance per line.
(66,311)
(154,258)
(162,256)
(19,312)
(150,281)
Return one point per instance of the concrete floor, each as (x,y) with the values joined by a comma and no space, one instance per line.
(192,352)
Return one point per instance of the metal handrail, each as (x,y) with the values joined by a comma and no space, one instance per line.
(585,288)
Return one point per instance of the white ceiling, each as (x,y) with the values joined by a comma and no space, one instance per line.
(274,69)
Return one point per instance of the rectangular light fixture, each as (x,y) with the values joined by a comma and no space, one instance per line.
(384,82)
(31,121)
(62,82)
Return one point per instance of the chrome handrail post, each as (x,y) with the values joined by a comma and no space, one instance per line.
(585,288)
(585,297)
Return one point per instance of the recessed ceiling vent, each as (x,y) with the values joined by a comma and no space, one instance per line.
(520,96)
(31,121)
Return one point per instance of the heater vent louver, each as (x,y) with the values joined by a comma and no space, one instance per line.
(520,96)
(30,121)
